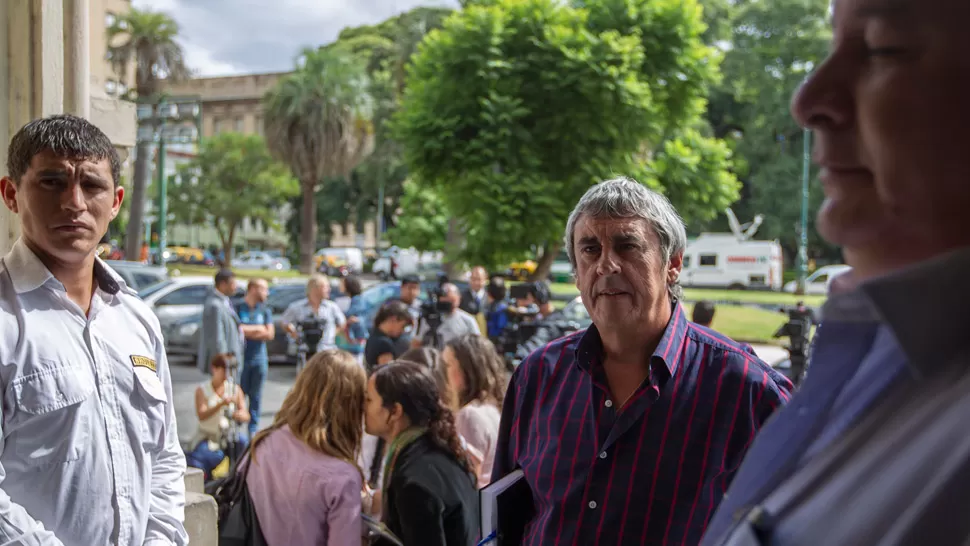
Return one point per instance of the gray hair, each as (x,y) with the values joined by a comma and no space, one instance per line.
(316,280)
(626,198)
(450,288)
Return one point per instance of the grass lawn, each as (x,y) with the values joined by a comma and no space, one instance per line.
(696,294)
(206,271)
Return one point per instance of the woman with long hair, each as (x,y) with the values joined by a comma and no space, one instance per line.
(476,377)
(304,481)
(428,489)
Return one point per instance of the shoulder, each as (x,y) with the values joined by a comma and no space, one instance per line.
(734,359)
(544,360)
(134,305)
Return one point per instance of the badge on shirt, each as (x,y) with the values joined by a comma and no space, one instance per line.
(143,362)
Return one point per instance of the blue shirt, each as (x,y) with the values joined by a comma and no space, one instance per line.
(496,319)
(855,359)
(651,472)
(254,352)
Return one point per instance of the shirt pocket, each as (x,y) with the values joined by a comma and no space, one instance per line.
(151,406)
(51,422)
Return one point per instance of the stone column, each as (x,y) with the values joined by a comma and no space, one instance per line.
(77,58)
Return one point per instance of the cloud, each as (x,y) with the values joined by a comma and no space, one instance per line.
(222,37)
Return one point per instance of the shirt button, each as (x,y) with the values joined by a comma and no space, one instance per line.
(609,403)
(603,455)
(592,505)
(802,411)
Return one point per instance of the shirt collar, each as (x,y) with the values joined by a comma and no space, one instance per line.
(921,304)
(28,273)
(590,346)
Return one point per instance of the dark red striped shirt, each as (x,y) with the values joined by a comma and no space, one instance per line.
(652,473)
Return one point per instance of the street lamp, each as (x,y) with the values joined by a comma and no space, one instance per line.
(803,240)
(176,120)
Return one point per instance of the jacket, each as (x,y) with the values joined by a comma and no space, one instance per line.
(219,331)
(430,499)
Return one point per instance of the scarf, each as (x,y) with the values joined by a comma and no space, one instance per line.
(402,441)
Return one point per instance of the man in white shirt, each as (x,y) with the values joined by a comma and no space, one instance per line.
(89,451)
(454,321)
(316,307)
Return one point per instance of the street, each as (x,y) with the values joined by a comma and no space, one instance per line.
(185,378)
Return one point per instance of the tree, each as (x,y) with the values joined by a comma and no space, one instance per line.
(515,107)
(318,121)
(232,178)
(425,224)
(147,40)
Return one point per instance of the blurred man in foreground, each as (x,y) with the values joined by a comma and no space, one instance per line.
(873,449)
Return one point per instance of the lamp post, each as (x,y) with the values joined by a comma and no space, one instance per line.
(171,114)
(803,239)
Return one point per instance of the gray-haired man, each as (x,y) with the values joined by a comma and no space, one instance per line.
(629,432)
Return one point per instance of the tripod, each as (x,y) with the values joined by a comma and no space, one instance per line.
(231,438)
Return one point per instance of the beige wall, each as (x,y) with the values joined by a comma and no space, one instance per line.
(101,71)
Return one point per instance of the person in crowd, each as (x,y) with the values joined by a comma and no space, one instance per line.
(629,431)
(256,319)
(392,319)
(476,374)
(218,405)
(872,449)
(304,480)
(220,331)
(318,308)
(428,489)
(703,313)
(496,313)
(90,453)
(473,298)
(454,322)
(410,295)
(356,329)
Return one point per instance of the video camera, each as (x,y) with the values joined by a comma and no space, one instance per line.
(432,310)
(797,330)
(309,332)
(523,321)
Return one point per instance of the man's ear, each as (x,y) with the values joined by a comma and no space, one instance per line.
(9,191)
(119,199)
(674,268)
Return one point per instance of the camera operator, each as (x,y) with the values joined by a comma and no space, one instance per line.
(549,325)
(318,311)
(445,321)
(797,330)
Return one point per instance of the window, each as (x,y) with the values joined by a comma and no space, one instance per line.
(110,87)
(708,260)
(110,19)
(217,125)
(821,279)
(686,262)
(188,295)
(148,291)
(145,279)
(239,124)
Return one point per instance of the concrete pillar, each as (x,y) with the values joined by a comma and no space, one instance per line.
(77,58)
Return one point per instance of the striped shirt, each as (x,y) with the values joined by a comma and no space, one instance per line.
(651,472)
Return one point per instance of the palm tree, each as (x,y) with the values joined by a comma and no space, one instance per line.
(318,121)
(146,40)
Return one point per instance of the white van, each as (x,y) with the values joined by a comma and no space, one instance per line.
(351,255)
(405,262)
(818,282)
(720,260)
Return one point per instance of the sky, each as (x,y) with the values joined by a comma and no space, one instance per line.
(227,37)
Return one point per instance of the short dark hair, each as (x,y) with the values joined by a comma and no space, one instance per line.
(496,289)
(703,313)
(224,275)
(66,136)
(352,285)
(393,309)
(410,279)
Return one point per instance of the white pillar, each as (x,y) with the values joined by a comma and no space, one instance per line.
(77,58)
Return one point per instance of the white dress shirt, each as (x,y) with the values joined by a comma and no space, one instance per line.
(89,453)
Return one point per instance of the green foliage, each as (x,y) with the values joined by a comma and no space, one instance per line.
(147,39)
(425,222)
(233,177)
(515,107)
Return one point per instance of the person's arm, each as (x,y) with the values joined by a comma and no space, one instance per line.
(343,512)
(476,435)
(384,358)
(241,415)
(166,511)
(215,338)
(289,318)
(421,514)
(338,316)
(202,409)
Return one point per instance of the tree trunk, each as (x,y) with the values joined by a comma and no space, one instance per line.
(227,241)
(308,228)
(549,253)
(136,212)
(452,247)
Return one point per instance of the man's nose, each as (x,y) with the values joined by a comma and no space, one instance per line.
(72,198)
(608,264)
(824,100)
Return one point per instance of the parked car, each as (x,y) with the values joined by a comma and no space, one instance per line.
(561,270)
(819,281)
(351,257)
(261,260)
(179,297)
(138,275)
(376,295)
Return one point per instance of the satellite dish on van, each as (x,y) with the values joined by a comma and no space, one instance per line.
(743,232)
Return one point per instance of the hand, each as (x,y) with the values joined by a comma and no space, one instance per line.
(225,401)
(353,320)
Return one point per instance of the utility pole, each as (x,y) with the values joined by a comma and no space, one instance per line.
(162,194)
(803,240)
(380,216)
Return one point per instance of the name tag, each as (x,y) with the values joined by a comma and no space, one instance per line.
(144,362)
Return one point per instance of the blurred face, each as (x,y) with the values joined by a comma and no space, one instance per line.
(453,296)
(410,292)
(318,291)
(378,420)
(218,374)
(478,279)
(259,290)
(394,326)
(64,205)
(620,271)
(456,378)
(227,288)
(889,113)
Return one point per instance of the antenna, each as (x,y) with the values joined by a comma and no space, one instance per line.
(743,232)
